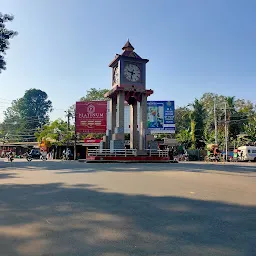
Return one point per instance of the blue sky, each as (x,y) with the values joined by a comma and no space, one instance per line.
(64,47)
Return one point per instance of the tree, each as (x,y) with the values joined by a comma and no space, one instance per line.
(26,115)
(94,94)
(193,134)
(5,36)
(184,137)
(182,119)
(207,100)
(197,121)
(35,105)
(200,119)
(238,111)
(250,128)
(55,133)
(233,129)
(245,117)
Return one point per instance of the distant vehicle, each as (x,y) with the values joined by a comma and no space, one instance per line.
(247,153)
(35,154)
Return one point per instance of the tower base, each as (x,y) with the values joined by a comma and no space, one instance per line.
(127,159)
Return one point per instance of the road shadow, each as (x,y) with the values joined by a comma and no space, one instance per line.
(53,219)
(8,175)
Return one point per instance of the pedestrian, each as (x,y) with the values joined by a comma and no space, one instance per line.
(170,154)
(241,155)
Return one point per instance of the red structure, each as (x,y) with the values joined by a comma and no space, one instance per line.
(91,117)
(129,159)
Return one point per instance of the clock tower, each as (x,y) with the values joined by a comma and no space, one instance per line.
(129,69)
(128,85)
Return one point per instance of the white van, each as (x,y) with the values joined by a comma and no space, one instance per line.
(247,153)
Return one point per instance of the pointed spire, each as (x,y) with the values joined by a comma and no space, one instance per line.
(128,46)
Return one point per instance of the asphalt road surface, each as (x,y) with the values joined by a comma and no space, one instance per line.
(63,208)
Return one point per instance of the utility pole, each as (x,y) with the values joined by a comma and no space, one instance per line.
(226,133)
(215,122)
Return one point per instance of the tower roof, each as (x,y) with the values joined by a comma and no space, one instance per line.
(128,51)
(128,46)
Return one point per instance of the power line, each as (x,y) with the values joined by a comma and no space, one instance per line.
(6,99)
(18,135)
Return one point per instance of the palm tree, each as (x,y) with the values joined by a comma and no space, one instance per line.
(230,107)
(233,127)
(197,121)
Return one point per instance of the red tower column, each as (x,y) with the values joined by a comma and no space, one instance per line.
(143,121)
(133,125)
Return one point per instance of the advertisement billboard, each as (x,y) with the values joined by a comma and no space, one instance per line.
(91,117)
(161,116)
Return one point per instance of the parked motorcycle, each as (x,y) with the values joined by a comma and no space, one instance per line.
(35,154)
(29,158)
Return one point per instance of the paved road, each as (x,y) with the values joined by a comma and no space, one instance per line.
(67,209)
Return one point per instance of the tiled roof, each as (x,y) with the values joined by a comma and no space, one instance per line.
(128,46)
(131,54)
(128,51)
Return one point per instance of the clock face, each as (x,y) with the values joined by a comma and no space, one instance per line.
(115,75)
(132,72)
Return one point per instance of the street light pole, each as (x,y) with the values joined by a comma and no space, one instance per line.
(226,133)
(69,115)
(215,122)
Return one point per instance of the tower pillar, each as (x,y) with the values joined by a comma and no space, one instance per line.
(143,121)
(133,125)
(120,112)
(113,103)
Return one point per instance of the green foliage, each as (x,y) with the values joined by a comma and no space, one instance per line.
(250,128)
(26,115)
(94,136)
(5,36)
(182,118)
(242,139)
(55,133)
(199,120)
(94,94)
(193,134)
(35,104)
(184,137)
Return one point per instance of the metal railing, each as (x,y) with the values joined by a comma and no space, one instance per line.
(126,152)
(108,152)
(160,153)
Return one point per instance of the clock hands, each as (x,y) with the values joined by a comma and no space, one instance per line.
(131,72)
